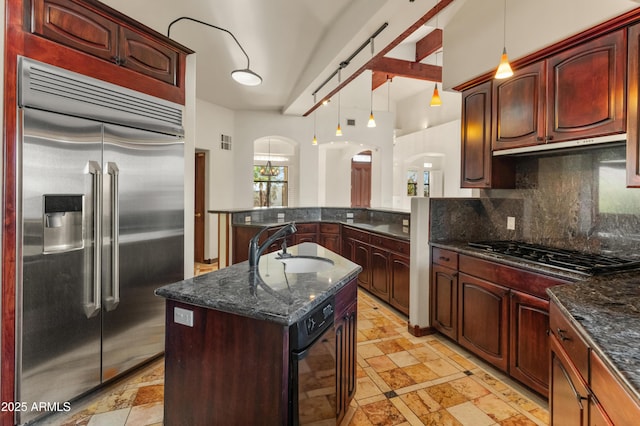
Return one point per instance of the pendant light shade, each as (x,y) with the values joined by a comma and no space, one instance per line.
(246,77)
(315,139)
(504,68)
(435,98)
(372,121)
(339,129)
(243,76)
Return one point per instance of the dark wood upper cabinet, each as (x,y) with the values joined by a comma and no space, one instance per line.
(147,56)
(586,89)
(633,108)
(479,168)
(519,108)
(74,25)
(476,136)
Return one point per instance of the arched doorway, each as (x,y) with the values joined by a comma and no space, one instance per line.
(361,179)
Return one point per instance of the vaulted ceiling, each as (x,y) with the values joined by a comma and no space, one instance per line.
(297,46)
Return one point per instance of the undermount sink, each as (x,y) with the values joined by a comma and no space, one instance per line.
(305,264)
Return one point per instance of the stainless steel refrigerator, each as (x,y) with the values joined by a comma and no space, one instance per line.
(102,210)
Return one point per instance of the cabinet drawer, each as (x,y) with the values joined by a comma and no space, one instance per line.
(330,228)
(356,234)
(569,339)
(390,244)
(306,228)
(444,257)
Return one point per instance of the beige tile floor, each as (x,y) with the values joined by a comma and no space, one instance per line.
(402,380)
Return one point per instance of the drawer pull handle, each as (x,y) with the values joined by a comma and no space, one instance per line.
(446,259)
(562,335)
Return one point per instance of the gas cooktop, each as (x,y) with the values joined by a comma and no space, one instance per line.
(569,260)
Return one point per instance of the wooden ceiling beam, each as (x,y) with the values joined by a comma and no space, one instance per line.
(429,44)
(412,29)
(398,68)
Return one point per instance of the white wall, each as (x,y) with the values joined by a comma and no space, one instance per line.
(312,178)
(212,121)
(190,133)
(473,40)
(443,142)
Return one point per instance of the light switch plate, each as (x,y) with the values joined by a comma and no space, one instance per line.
(183,316)
(511,223)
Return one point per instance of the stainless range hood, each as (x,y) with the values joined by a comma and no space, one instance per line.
(566,145)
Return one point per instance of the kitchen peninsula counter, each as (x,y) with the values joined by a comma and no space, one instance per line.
(605,309)
(269,294)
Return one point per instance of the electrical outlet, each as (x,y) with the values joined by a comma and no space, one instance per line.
(511,223)
(183,316)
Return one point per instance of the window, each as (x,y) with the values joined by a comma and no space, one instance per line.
(270,190)
(425,188)
(412,183)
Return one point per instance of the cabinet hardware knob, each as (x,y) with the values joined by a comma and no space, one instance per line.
(562,335)
(539,138)
(446,259)
(550,137)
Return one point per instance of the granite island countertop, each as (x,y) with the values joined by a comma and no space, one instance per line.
(269,293)
(606,310)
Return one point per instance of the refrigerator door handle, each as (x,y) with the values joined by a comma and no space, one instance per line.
(113,300)
(92,307)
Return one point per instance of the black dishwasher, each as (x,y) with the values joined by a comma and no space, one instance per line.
(312,390)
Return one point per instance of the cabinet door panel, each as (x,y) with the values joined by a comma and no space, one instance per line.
(444,300)
(568,393)
(483,319)
(518,108)
(399,297)
(147,56)
(476,137)
(380,273)
(529,342)
(75,26)
(586,89)
(633,108)
(361,256)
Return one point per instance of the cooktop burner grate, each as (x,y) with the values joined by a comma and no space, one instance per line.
(569,260)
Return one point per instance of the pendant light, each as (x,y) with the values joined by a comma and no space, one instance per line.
(435,98)
(315,139)
(504,69)
(372,121)
(338,129)
(268,169)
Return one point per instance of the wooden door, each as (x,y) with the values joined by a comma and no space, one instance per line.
(568,393)
(360,184)
(380,273)
(399,277)
(198,238)
(633,108)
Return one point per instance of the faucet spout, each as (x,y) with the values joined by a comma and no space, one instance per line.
(256,250)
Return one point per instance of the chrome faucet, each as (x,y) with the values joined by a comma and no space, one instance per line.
(255,250)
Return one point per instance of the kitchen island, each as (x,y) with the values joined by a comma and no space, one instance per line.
(595,332)
(229,338)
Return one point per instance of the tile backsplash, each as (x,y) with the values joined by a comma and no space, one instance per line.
(575,200)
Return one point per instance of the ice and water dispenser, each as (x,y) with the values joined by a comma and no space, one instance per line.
(62,222)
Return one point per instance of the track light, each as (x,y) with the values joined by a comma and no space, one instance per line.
(244,76)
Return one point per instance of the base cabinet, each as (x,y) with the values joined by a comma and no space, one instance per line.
(583,388)
(498,312)
(483,309)
(529,340)
(346,347)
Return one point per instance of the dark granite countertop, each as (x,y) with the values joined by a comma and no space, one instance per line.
(270,294)
(606,309)
(464,248)
(389,229)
